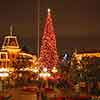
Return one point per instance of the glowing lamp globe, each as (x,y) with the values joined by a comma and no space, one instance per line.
(54,70)
(44,69)
(49,10)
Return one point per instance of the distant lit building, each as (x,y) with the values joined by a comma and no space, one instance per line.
(11,52)
(79,55)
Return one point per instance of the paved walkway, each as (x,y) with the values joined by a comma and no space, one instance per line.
(19,94)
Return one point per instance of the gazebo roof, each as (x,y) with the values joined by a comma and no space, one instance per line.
(10,42)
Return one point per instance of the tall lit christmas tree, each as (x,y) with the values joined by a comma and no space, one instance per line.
(48,50)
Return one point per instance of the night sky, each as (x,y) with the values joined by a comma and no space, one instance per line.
(76,22)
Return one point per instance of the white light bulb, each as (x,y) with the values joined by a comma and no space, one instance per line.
(49,10)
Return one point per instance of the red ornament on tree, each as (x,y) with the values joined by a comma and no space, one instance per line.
(48,50)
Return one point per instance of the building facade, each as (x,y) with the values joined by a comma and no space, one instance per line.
(11,54)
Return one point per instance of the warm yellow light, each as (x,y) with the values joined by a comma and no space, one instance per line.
(79,67)
(41,74)
(54,70)
(4,70)
(49,10)
(48,74)
(10,70)
(4,74)
(21,69)
(13,50)
(45,75)
(45,69)
(88,55)
(35,70)
(24,69)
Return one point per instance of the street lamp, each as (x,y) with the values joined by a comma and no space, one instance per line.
(35,70)
(54,70)
(45,75)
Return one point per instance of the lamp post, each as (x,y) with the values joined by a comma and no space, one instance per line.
(54,71)
(35,70)
(45,75)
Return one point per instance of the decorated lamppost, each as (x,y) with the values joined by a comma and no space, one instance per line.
(54,71)
(35,72)
(45,75)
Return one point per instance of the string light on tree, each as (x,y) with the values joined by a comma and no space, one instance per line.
(48,50)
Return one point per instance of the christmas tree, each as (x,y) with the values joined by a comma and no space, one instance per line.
(48,50)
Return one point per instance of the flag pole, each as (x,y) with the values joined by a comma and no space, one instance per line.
(38,28)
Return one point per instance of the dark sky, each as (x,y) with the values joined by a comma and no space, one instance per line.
(76,22)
